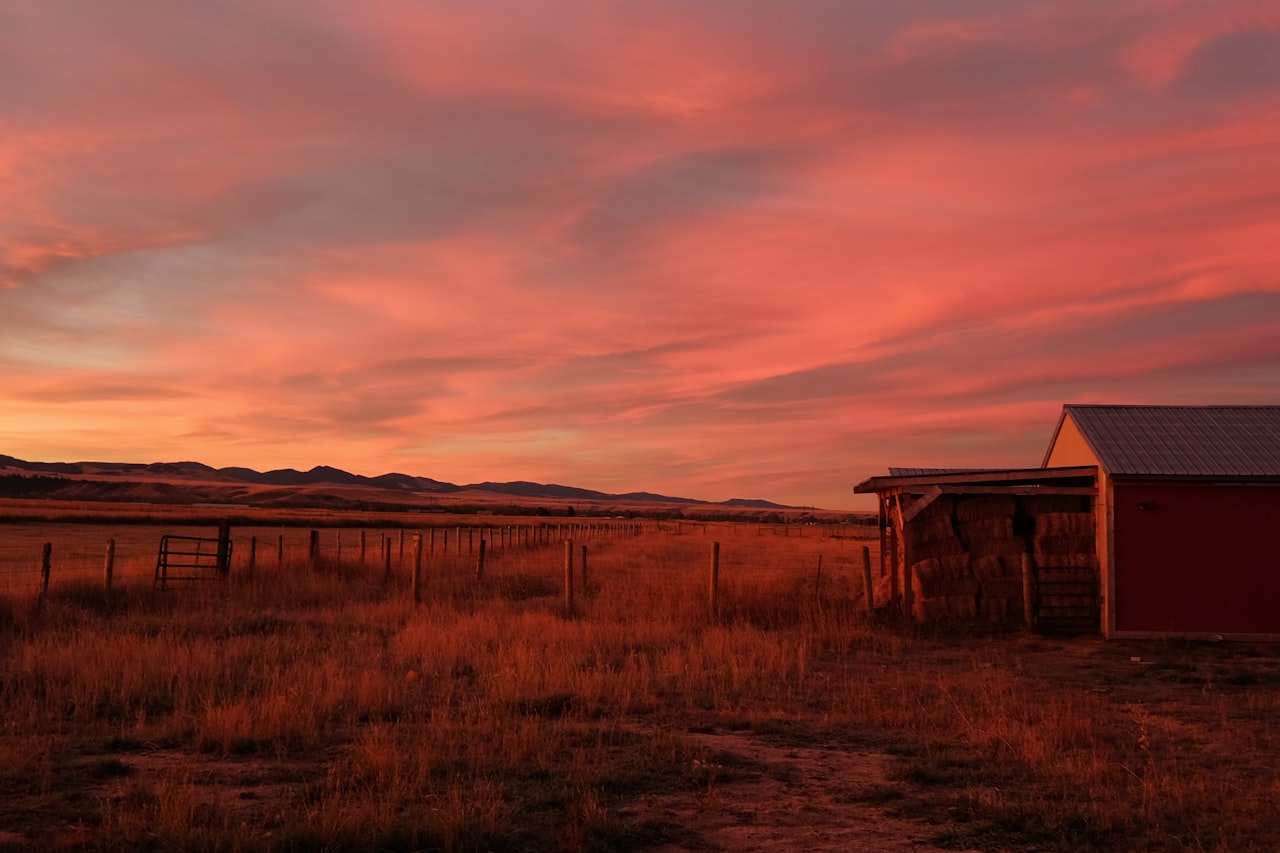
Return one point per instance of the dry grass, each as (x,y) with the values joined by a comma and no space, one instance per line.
(298,709)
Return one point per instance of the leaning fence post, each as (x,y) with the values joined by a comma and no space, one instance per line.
(568,576)
(46,562)
(714,587)
(866,581)
(109,564)
(417,569)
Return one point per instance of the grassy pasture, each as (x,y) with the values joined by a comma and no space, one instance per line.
(300,708)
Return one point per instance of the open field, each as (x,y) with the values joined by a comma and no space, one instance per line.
(301,706)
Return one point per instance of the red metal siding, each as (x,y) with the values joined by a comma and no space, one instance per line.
(1197,559)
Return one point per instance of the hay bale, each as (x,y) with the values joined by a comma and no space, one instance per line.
(955,566)
(940,509)
(943,587)
(985,532)
(922,531)
(1065,524)
(1088,562)
(988,567)
(995,609)
(939,549)
(979,508)
(1002,587)
(1069,574)
(1063,544)
(927,570)
(946,608)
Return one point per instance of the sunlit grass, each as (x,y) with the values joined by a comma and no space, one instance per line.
(491,717)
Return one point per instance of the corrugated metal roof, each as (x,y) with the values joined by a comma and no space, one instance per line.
(1187,441)
(928,472)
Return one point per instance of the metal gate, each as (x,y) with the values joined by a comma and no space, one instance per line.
(191,558)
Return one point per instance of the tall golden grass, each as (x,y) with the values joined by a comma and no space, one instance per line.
(318,708)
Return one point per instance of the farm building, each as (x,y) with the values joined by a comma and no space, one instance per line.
(1142,521)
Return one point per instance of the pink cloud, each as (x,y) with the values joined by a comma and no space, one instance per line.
(746,249)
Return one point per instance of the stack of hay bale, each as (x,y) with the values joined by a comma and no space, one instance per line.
(1066,558)
(942,583)
(967,551)
(986,527)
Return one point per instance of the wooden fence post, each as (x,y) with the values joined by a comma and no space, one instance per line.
(224,547)
(313,549)
(584,569)
(568,576)
(109,564)
(401,543)
(480,562)
(280,551)
(417,569)
(433,541)
(253,554)
(1028,591)
(714,587)
(817,578)
(471,540)
(46,567)
(866,582)
(459,545)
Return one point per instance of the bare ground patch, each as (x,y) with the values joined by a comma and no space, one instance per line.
(756,795)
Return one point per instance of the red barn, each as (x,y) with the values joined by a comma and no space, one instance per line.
(1188,515)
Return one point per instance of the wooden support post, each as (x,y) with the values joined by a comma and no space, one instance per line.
(313,549)
(714,586)
(46,568)
(480,562)
(584,570)
(224,547)
(866,582)
(109,565)
(568,576)
(1028,591)
(417,569)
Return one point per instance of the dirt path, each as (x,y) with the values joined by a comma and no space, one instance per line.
(761,796)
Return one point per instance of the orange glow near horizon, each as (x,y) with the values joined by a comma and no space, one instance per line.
(706,249)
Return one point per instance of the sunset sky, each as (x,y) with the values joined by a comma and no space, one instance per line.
(710,248)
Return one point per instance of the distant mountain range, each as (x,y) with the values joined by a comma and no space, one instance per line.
(322,485)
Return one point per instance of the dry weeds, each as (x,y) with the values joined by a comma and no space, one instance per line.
(298,709)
